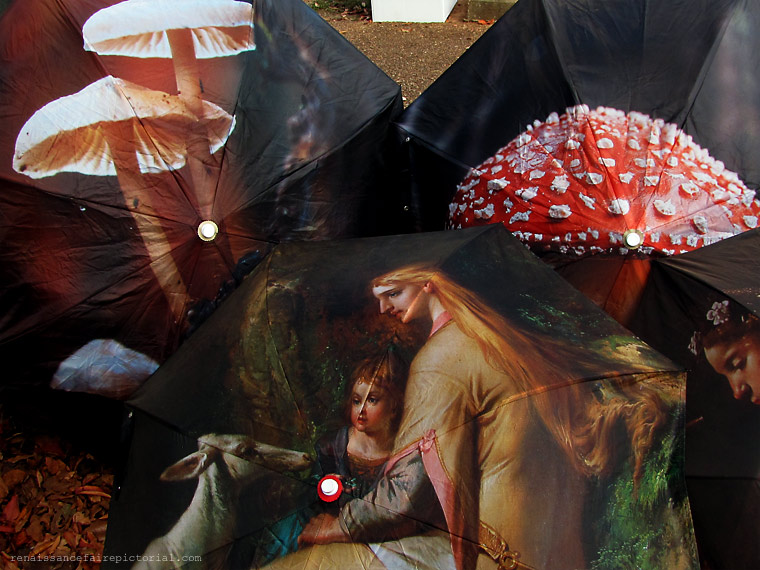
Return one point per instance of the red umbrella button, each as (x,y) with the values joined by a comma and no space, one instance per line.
(329,488)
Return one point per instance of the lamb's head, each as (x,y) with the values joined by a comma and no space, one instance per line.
(244,458)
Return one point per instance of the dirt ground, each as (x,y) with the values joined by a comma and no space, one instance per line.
(412,54)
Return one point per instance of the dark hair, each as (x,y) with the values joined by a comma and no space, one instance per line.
(387,371)
(724,321)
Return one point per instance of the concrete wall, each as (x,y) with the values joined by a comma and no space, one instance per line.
(411,10)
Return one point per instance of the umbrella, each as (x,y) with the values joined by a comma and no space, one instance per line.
(702,309)
(543,58)
(150,172)
(545,434)
(606,183)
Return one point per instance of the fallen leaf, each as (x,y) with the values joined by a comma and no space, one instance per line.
(44,547)
(71,538)
(98,529)
(54,466)
(20,539)
(35,529)
(11,510)
(14,477)
(92,490)
(23,517)
(80,518)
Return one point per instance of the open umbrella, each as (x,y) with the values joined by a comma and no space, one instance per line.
(605,183)
(678,63)
(703,310)
(452,418)
(153,152)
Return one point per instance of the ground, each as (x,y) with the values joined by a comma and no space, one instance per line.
(413,55)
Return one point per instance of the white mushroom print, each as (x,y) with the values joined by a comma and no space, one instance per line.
(115,128)
(589,176)
(184,32)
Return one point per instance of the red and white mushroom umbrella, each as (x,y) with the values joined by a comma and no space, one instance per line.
(591,182)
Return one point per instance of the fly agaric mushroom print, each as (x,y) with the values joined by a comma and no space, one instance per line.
(603,182)
(183,32)
(576,183)
(115,128)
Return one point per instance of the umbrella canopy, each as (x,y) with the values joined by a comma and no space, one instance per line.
(532,72)
(703,310)
(454,417)
(601,182)
(146,175)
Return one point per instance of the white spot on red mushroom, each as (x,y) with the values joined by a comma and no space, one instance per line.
(626,177)
(651,180)
(619,207)
(560,211)
(496,185)
(486,213)
(527,194)
(536,174)
(560,184)
(587,201)
(665,207)
(520,217)
(594,177)
(689,188)
(605,143)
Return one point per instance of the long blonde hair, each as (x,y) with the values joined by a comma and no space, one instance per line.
(583,427)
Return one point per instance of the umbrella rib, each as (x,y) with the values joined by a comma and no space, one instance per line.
(57,315)
(274,344)
(173,172)
(276,185)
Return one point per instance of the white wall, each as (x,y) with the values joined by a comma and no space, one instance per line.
(411,10)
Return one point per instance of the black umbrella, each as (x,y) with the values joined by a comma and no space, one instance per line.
(152,152)
(703,310)
(532,428)
(669,77)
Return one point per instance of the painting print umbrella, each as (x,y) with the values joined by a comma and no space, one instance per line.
(703,310)
(378,358)
(605,183)
(543,58)
(147,175)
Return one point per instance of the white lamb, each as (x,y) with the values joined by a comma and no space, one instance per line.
(223,465)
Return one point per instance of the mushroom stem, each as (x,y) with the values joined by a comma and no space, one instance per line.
(156,243)
(199,159)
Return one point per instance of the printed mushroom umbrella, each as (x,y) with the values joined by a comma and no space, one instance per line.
(610,190)
(693,65)
(580,467)
(114,127)
(702,309)
(135,236)
(195,29)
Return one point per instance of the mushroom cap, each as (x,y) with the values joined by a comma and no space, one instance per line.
(75,133)
(576,182)
(137,28)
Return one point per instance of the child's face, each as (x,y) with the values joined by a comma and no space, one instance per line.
(370,408)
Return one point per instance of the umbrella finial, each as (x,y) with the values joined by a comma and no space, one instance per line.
(633,239)
(207,230)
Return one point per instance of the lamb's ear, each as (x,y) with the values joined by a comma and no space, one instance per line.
(189,467)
